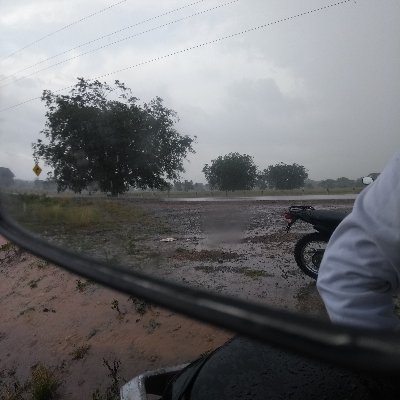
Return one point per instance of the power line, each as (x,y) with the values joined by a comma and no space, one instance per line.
(63,28)
(103,37)
(121,40)
(220,39)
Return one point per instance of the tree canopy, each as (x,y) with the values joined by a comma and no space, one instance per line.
(231,172)
(99,133)
(341,182)
(6,177)
(285,176)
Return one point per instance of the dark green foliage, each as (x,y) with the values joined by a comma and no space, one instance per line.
(261,181)
(80,352)
(188,185)
(100,134)
(6,177)
(342,182)
(44,384)
(231,172)
(285,176)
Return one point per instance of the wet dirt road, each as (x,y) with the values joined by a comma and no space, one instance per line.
(239,249)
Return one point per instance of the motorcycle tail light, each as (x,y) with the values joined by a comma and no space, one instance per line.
(288,217)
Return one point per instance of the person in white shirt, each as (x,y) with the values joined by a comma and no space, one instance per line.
(360,270)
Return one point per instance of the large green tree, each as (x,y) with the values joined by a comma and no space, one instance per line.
(231,172)
(285,176)
(100,133)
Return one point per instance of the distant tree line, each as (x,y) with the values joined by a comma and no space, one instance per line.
(189,186)
(99,138)
(236,171)
(341,182)
(278,176)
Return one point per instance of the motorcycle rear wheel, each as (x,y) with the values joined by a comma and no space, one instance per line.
(309,251)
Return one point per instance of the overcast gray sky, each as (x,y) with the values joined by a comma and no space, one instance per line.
(321,90)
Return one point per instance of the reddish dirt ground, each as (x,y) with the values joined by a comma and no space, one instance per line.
(46,318)
(57,319)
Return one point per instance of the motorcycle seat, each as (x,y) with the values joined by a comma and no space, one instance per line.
(331,217)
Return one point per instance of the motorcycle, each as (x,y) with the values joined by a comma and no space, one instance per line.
(309,250)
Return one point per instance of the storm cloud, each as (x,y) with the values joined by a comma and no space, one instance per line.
(320,89)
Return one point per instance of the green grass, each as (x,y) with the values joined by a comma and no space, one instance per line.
(40,212)
(254,273)
(80,352)
(111,229)
(44,383)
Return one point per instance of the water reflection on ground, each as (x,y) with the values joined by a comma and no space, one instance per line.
(312,197)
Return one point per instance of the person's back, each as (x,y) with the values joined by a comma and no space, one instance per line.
(360,270)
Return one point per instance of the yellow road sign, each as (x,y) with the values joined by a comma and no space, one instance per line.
(36,169)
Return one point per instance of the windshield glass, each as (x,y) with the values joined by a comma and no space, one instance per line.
(172,139)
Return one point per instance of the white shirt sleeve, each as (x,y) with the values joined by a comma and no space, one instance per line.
(360,270)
